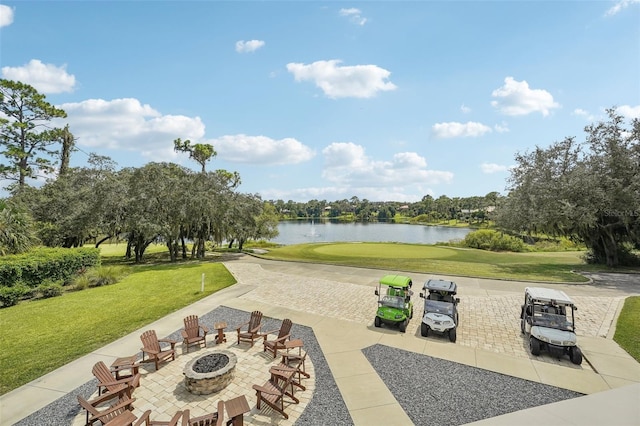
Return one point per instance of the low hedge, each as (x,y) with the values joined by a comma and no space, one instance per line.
(36,266)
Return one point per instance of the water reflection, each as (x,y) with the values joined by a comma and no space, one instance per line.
(302,231)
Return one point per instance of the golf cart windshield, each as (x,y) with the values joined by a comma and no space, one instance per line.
(392,301)
(551,320)
(438,307)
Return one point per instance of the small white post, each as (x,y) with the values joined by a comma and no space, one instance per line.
(202,284)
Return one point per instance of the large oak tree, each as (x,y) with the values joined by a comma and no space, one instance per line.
(588,191)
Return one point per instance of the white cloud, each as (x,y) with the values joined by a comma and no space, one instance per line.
(248,46)
(359,81)
(354,15)
(516,98)
(465,109)
(128,125)
(6,15)
(629,112)
(501,128)
(348,172)
(458,130)
(619,6)
(579,112)
(46,78)
(490,168)
(261,150)
(346,164)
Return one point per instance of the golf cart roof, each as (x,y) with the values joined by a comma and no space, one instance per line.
(398,281)
(548,295)
(440,285)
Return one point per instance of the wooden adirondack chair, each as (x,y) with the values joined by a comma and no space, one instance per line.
(104,415)
(279,342)
(145,420)
(191,334)
(274,391)
(151,347)
(213,419)
(295,360)
(107,383)
(253,328)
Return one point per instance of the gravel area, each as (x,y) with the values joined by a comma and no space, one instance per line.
(441,392)
(326,406)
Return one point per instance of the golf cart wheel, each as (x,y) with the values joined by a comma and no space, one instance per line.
(452,335)
(575,354)
(424,330)
(377,322)
(403,326)
(534,345)
(522,326)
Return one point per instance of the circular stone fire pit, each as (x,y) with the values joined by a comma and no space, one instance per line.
(210,372)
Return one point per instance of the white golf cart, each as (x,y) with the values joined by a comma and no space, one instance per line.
(440,308)
(547,316)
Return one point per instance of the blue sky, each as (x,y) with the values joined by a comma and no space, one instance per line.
(383,100)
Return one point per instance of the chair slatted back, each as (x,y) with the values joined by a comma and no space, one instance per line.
(150,340)
(192,326)
(255,320)
(285,329)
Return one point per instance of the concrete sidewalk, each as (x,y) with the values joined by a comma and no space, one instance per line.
(610,377)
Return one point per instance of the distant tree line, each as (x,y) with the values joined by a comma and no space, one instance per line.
(588,192)
(427,210)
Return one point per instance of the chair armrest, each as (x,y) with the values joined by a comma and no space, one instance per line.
(241,325)
(184,334)
(204,328)
(171,342)
(283,368)
(144,419)
(283,338)
(262,389)
(106,397)
(150,351)
(255,330)
(270,332)
(125,381)
(118,406)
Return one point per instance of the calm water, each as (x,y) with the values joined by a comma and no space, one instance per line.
(298,232)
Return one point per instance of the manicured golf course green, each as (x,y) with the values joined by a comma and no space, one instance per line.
(539,266)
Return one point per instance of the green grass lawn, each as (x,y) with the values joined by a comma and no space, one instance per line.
(545,266)
(627,331)
(42,335)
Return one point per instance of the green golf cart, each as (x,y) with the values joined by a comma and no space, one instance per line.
(394,301)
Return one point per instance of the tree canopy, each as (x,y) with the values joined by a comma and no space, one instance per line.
(587,191)
(27,142)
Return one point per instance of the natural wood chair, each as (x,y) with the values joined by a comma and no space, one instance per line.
(151,347)
(191,334)
(284,333)
(296,360)
(213,419)
(253,327)
(95,412)
(274,391)
(145,420)
(107,383)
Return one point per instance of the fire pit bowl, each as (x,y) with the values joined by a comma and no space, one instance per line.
(210,373)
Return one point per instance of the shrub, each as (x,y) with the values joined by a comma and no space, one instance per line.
(104,275)
(50,288)
(10,296)
(80,282)
(487,239)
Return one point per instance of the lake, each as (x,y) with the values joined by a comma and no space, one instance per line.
(299,232)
